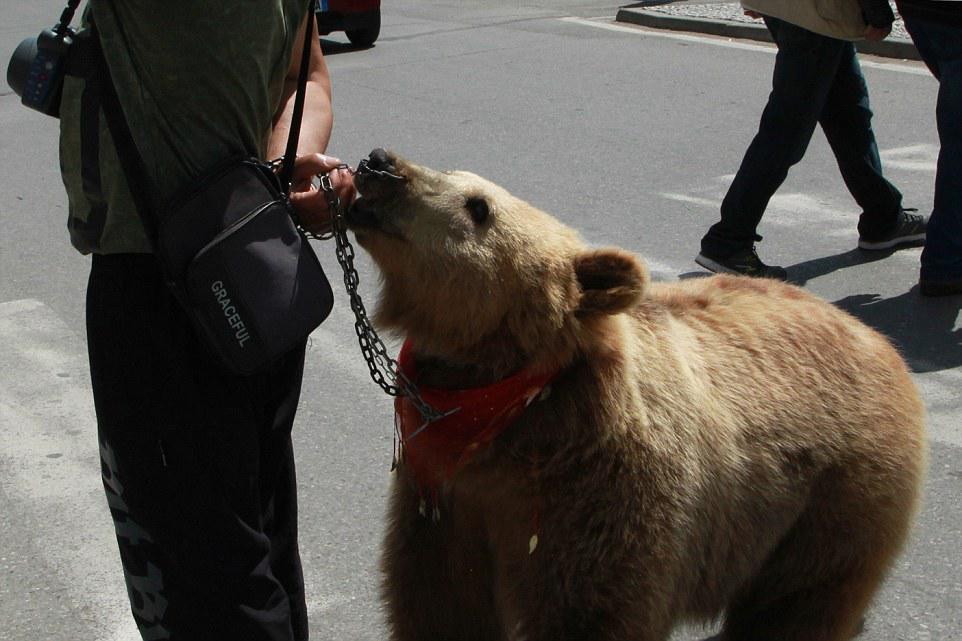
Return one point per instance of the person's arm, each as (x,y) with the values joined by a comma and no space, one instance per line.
(316,124)
(879,18)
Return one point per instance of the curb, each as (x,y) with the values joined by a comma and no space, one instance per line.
(888,48)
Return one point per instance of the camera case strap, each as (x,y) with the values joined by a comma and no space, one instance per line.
(229,247)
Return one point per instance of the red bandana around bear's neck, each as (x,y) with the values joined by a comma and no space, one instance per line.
(436,452)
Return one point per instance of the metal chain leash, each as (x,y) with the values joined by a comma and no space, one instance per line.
(384,369)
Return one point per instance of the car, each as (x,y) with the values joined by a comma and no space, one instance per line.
(360,20)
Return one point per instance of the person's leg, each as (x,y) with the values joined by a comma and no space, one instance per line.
(804,67)
(941,47)
(846,119)
(281,389)
(196,467)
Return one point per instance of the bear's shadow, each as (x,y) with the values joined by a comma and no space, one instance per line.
(923,328)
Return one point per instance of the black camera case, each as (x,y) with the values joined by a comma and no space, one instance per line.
(37,68)
(38,65)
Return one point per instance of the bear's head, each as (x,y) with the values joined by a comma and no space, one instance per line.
(473,275)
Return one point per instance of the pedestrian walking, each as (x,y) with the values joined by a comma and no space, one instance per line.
(936,29)
(817,80)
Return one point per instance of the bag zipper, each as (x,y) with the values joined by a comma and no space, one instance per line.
(233,227)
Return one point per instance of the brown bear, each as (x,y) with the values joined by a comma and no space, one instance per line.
(617,455)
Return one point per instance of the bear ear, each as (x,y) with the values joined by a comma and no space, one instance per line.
(611,281)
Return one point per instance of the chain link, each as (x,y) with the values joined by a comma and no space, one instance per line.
(384,369)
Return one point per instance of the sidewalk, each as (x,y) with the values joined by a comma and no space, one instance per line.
(726,19)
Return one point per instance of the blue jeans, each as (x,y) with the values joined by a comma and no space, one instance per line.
(817,80)
(941,47)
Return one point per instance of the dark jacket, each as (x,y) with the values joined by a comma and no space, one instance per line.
(936,10)
(877,13)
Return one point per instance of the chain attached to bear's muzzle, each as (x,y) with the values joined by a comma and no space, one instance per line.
(364,169)
(384,369)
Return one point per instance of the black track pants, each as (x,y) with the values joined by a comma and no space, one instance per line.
(197,466)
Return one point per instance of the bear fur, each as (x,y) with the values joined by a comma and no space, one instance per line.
(719,447)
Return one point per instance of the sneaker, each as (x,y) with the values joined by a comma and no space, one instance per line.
(909,232)
(929,287)
(746,263)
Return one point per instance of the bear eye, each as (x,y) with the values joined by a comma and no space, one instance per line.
(478,208)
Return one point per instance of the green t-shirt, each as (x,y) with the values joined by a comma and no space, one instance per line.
(200,82)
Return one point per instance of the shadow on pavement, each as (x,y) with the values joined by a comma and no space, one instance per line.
(648,3)
(334,47)
(923,328)
(801,273)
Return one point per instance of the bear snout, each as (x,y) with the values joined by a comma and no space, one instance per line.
(378,176)
(380,166)
(379,183)
(379,160)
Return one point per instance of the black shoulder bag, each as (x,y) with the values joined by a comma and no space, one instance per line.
(229,247)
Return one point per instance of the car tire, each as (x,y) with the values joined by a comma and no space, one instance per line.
(365,36)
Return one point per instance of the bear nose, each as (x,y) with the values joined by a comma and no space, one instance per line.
(378,160)
(379,166)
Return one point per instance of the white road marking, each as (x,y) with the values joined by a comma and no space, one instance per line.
(49,435)
(605,23)
(922,158)
(940,391)
(803,209)
(710,203)
(807,208)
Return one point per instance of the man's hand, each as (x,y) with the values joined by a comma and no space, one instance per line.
(309,202)
(876,34)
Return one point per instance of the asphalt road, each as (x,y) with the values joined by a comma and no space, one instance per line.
(631,136)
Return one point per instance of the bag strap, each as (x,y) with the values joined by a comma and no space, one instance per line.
(133,165)
(290,154)
(67,16)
